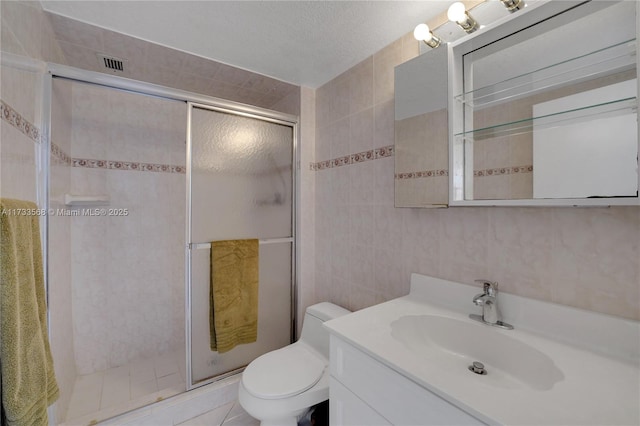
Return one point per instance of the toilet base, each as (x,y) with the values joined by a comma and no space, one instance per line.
(290,421)
(287,411)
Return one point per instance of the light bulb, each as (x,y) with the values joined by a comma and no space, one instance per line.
(457,12)
(422,33)
(513,5)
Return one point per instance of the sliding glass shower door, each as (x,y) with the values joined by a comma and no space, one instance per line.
(241,185)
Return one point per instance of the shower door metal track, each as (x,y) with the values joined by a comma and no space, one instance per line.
(256,113)
(198,246)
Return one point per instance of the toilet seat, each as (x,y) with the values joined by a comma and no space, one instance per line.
(283,373)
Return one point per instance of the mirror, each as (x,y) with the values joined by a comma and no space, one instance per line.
(544,108)
(421,131)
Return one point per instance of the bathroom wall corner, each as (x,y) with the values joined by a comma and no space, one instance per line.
(307,208)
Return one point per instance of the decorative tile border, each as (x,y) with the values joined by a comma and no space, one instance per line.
(422,174)
(14,118)
(503,171)
(388,151)
(60,156)
(360,157)
(127,165)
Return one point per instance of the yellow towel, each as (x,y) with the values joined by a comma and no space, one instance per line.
(234,293)
(28,381)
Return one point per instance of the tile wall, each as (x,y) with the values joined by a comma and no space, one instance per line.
(358,231)
(422,180)
(157,64)
(305,268)
(128,270)
(366,249)
(60,278)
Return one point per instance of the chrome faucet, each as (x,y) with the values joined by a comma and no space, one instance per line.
(489,302)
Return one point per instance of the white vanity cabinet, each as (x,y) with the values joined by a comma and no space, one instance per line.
(405,362)
(363,391)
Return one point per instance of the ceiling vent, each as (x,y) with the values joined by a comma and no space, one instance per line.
(111,63)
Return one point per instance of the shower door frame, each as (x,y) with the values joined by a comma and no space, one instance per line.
(190,100)
(194,246)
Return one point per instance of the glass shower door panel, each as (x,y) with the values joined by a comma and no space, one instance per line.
(241,187)
(241,177)
(274,313)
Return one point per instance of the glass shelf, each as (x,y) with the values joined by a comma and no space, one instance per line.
(602,110)
(616,58)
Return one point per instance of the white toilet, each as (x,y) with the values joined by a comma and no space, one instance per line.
(280,386)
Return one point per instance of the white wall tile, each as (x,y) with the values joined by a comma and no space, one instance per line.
(586,258)
(128,271)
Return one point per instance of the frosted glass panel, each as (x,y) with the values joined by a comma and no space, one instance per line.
(274,313)
(241,184)
(241,177)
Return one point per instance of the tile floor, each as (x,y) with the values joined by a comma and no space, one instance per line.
(231,414)
(105,394)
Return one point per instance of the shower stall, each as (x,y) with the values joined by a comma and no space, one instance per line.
(141,180)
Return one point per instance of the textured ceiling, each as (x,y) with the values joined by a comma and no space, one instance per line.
(301,42)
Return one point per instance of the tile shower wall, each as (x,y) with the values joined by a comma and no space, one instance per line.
(366,249)
(60,281)
(27,32)
(128,271)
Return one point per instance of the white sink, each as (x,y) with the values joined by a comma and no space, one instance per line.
(558,366)
(456,344)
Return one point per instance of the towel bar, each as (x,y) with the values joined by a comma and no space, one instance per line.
(197,246)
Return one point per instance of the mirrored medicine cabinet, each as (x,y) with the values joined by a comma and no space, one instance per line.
(422,131)
(543,108)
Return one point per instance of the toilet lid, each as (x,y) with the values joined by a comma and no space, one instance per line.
(283,373)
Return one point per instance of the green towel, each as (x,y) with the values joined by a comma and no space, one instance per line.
(234,293)
(26,366)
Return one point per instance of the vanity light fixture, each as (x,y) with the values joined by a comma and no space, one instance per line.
(458,13)
(513,5)
(423,33)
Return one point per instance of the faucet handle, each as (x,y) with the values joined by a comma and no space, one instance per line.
(490,287)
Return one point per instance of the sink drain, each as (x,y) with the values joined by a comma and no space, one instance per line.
(478,368)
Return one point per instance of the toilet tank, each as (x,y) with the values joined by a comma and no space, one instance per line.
(313,333)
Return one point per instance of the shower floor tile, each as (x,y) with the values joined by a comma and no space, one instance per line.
(87,393)
(139,390)
(105,394)
(142,371)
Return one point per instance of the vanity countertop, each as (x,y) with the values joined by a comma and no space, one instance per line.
(599,382)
